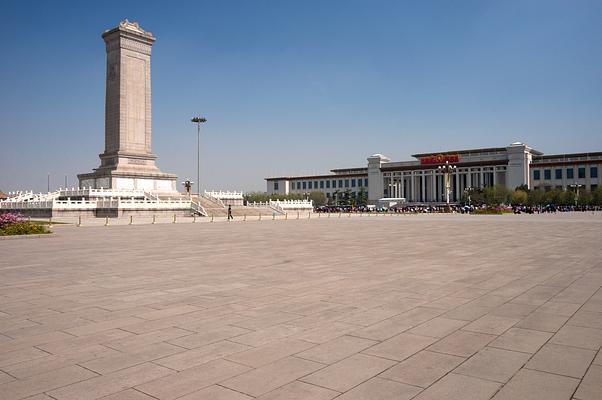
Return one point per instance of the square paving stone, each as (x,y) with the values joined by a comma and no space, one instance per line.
(590,387)
(349,372)
(562,360)
(525,340)
(459,387)
(537,385)
(423,368)
(493,364)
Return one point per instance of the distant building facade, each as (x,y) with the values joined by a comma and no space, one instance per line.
(420,181)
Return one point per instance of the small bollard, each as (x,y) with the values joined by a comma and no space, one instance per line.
(309,215)
(79,220)
(319,215)
(106,221)
(154,219)
(131,220)
(50,221)
(339,214)
(328,214)
(285,216)
(349,216)
(297,214)
(273,216)
(244,217)
(174,219)
(211,217)
(194,218)
(259,216)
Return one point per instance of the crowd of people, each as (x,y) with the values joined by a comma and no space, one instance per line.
(457,208)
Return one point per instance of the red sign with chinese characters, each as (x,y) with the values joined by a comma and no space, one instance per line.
(440,159)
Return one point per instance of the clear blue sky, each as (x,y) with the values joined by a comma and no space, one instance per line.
(296,87)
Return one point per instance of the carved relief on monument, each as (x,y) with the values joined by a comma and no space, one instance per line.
(135,110)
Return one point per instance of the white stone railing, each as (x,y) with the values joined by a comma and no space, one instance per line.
(103,203)
(293,204)
(227,195)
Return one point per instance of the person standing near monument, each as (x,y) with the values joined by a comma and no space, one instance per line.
(230,212)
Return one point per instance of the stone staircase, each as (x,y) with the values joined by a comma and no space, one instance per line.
(218,210)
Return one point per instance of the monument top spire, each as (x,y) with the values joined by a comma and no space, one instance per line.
(126,26)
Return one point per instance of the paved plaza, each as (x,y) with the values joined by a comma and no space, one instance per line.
(390,307)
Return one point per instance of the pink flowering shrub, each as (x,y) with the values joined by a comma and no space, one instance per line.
(15,224)
(9,219)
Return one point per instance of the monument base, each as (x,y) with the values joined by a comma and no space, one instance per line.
(158,182)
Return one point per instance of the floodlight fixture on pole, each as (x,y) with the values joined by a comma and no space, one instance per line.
(576,186)
(468,190)
(198,121)
(447,170)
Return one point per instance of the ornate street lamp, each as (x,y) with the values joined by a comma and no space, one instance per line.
(576,186)
(447,170)
(198,121)
(187,186)
(467,192)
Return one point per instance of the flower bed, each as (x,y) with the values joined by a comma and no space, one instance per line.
(15,224)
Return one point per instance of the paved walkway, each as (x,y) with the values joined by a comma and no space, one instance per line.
(418,307)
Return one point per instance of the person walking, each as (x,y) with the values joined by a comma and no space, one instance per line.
(230,212)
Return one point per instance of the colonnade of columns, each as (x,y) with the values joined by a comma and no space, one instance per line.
(428,185)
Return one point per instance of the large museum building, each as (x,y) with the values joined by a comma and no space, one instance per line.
(421,181)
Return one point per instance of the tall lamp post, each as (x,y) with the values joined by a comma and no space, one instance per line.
(468,191)
(447,170)
(198,121)
(576,186)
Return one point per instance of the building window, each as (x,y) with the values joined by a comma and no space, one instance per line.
(366,182)
(536,175)
(569,173)
(304,185)
(309,184)
(340,183)
(321,184)
(275,185)
(593,172)
(315,184)
(547,174)
(327,184)
(593,188)
(557,174)
(346,183)
(581,173)
(328,194)
(334,184)
(353,183)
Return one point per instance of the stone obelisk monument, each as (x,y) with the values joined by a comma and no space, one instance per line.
(128,161)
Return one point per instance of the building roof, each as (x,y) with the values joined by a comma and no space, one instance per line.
(570,155)
(474,151)
(331,176)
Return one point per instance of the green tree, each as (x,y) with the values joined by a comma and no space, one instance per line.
(336,196)
(597,196)
(537,197)
(519,197)
(585,198)
(496,195)
(362,197)
(554,196)
(566,198)
(318,198)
